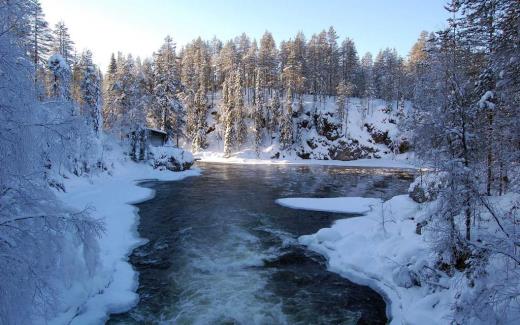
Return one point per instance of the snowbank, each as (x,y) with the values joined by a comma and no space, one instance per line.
(216,157)
(113,287)
(170,158)
(355,205)
(382,250)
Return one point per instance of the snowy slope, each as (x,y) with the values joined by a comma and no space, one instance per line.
(372,131)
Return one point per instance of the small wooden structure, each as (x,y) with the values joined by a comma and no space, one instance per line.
(156,138)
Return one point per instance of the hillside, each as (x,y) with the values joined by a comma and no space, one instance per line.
(373,130)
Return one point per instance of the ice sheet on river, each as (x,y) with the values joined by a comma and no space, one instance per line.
(355,205)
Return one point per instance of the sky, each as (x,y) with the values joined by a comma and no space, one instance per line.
(139,26)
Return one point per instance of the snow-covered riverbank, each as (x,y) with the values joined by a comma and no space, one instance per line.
(110,197)
(400,163)
(381,249)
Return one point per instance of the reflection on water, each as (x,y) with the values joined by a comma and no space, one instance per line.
(220,250)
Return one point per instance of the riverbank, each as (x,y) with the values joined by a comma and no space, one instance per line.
(400,162)
(110,197)
(382,250)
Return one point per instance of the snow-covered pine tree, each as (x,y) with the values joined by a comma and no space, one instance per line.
(38,43)
(286,123)
(275,112)
(229,117)
(109,95)
(331,61)
(202,70)
(349,63)
(62,43)
(268,60)
(257,115)
(166,111)
(90,94)
(59,78)
(239,109)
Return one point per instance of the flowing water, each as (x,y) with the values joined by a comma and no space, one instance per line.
(221,251)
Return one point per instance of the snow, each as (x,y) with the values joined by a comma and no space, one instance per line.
(216,157)
(381,250)
(355,205)
(112,288)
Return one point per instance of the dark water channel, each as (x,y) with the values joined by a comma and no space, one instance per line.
(221,251)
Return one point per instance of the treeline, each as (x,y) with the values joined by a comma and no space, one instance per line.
(175,90)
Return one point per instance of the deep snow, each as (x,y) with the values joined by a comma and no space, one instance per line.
(110,197)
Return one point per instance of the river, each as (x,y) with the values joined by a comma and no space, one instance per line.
(221,251)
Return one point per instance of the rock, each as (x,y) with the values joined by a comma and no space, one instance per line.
(349,151)
(419,226)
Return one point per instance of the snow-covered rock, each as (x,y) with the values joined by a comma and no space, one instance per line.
(171,158)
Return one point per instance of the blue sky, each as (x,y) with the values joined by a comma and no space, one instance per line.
(139,26)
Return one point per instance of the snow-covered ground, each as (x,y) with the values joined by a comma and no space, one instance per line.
(398,163)
(110,197)
(381,249)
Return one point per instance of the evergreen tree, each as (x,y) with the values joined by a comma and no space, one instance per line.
(229,117)
(349,62)
(257,116)
(62,43)
(38,40)
(268,60)
(59,78)
(238,107)
(166,111)
(286,124)
(90,92)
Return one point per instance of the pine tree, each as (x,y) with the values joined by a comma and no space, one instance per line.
(38,40)
(349,62)
(286,124)
(62,43)
(109,94)
(90,92)
(257,115)
(343,92)
(293,70)
(332,60)
(229,117)
(166,111)
(268,60)
(238,107)
(275,106)
(59,78)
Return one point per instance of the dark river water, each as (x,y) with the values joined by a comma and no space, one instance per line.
(221,251)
